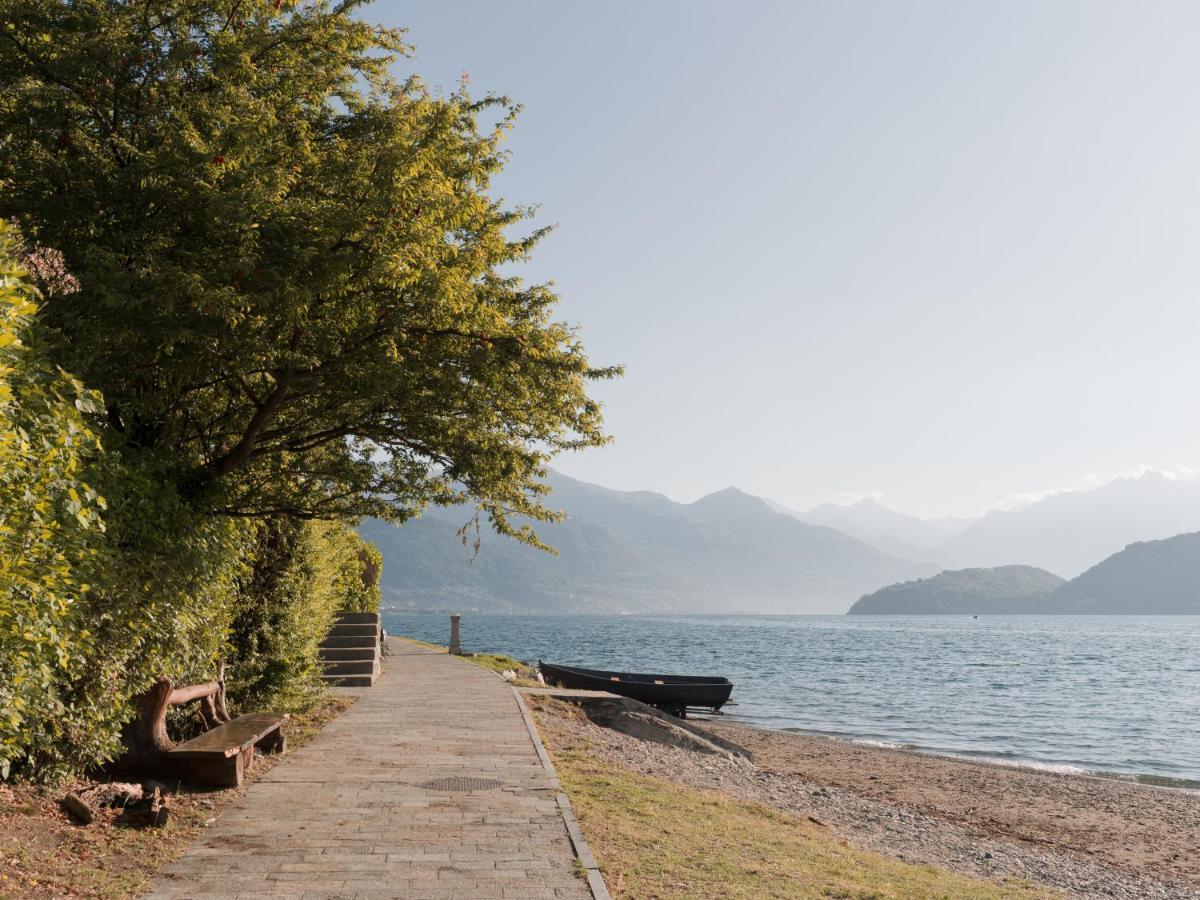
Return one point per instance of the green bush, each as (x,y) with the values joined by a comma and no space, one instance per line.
(96,599)
(50,522)
(167,585)
(162,587)
(349,566)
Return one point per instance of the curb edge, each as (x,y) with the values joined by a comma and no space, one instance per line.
(579,843)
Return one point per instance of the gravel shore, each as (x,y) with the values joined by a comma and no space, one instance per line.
(1077,836)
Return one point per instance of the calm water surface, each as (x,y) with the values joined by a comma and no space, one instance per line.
(1117,694)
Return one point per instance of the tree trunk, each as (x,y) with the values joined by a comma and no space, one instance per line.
(145,738)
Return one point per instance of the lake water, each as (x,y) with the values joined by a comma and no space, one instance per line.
(1117,694)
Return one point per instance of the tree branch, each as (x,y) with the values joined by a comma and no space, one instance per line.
(240,454)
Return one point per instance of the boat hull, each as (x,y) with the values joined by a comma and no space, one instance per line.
(674,693)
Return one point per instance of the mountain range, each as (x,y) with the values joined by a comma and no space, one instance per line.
(731,552)
(1064,533)
(636,551)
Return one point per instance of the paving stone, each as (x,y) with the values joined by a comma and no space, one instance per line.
(348,814)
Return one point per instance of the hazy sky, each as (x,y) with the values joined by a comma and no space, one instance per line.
(942,252)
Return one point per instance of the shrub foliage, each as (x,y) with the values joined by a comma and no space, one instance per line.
(304,573)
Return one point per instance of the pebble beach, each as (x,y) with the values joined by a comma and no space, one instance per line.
(1075,836)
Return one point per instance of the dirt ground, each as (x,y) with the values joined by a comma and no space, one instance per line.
(45,853)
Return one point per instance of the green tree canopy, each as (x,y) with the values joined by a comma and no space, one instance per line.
(294,281)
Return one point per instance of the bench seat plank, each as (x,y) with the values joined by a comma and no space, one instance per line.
(221,757)
(231,737)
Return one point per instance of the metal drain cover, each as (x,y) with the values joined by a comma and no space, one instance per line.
(460,783)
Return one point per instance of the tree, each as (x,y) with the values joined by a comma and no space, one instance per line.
(294,281)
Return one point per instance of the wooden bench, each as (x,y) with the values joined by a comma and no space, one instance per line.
(221,757)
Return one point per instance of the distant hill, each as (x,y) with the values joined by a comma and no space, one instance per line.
(1147,578)
(1068,532)
(1010,590)
(893,532)
(636,552)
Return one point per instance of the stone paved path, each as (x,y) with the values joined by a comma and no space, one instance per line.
(350,815)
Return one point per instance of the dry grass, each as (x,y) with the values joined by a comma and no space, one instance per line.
(656,839)
(43,853)
(495,662)
(498,663)
(428,646)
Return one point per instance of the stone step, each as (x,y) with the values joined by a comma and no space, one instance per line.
(350,680)
(352,667)
(345,629)
(357,618)
(349,654)
(344,642)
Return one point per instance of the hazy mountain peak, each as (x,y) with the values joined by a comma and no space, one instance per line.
(558,481)
(731,501)
(891,531)
(731,491)
(862,503)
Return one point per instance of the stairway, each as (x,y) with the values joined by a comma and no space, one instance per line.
(350,652)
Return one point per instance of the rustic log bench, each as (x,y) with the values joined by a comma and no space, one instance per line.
(222,756)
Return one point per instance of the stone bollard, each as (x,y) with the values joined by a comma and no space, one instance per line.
(455,639)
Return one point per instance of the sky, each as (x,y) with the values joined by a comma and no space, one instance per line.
(943,254)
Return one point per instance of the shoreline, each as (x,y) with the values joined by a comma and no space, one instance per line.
(658,834)
(1076,770)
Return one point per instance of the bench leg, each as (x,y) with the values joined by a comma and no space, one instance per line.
(273,742)
(245,759)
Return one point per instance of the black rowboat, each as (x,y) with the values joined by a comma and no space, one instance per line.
(670,693)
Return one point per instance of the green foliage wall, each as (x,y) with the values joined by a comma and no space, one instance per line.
(102,614)
(303,573)
(49,526)
(96,599)
(349,566)
(168,584)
